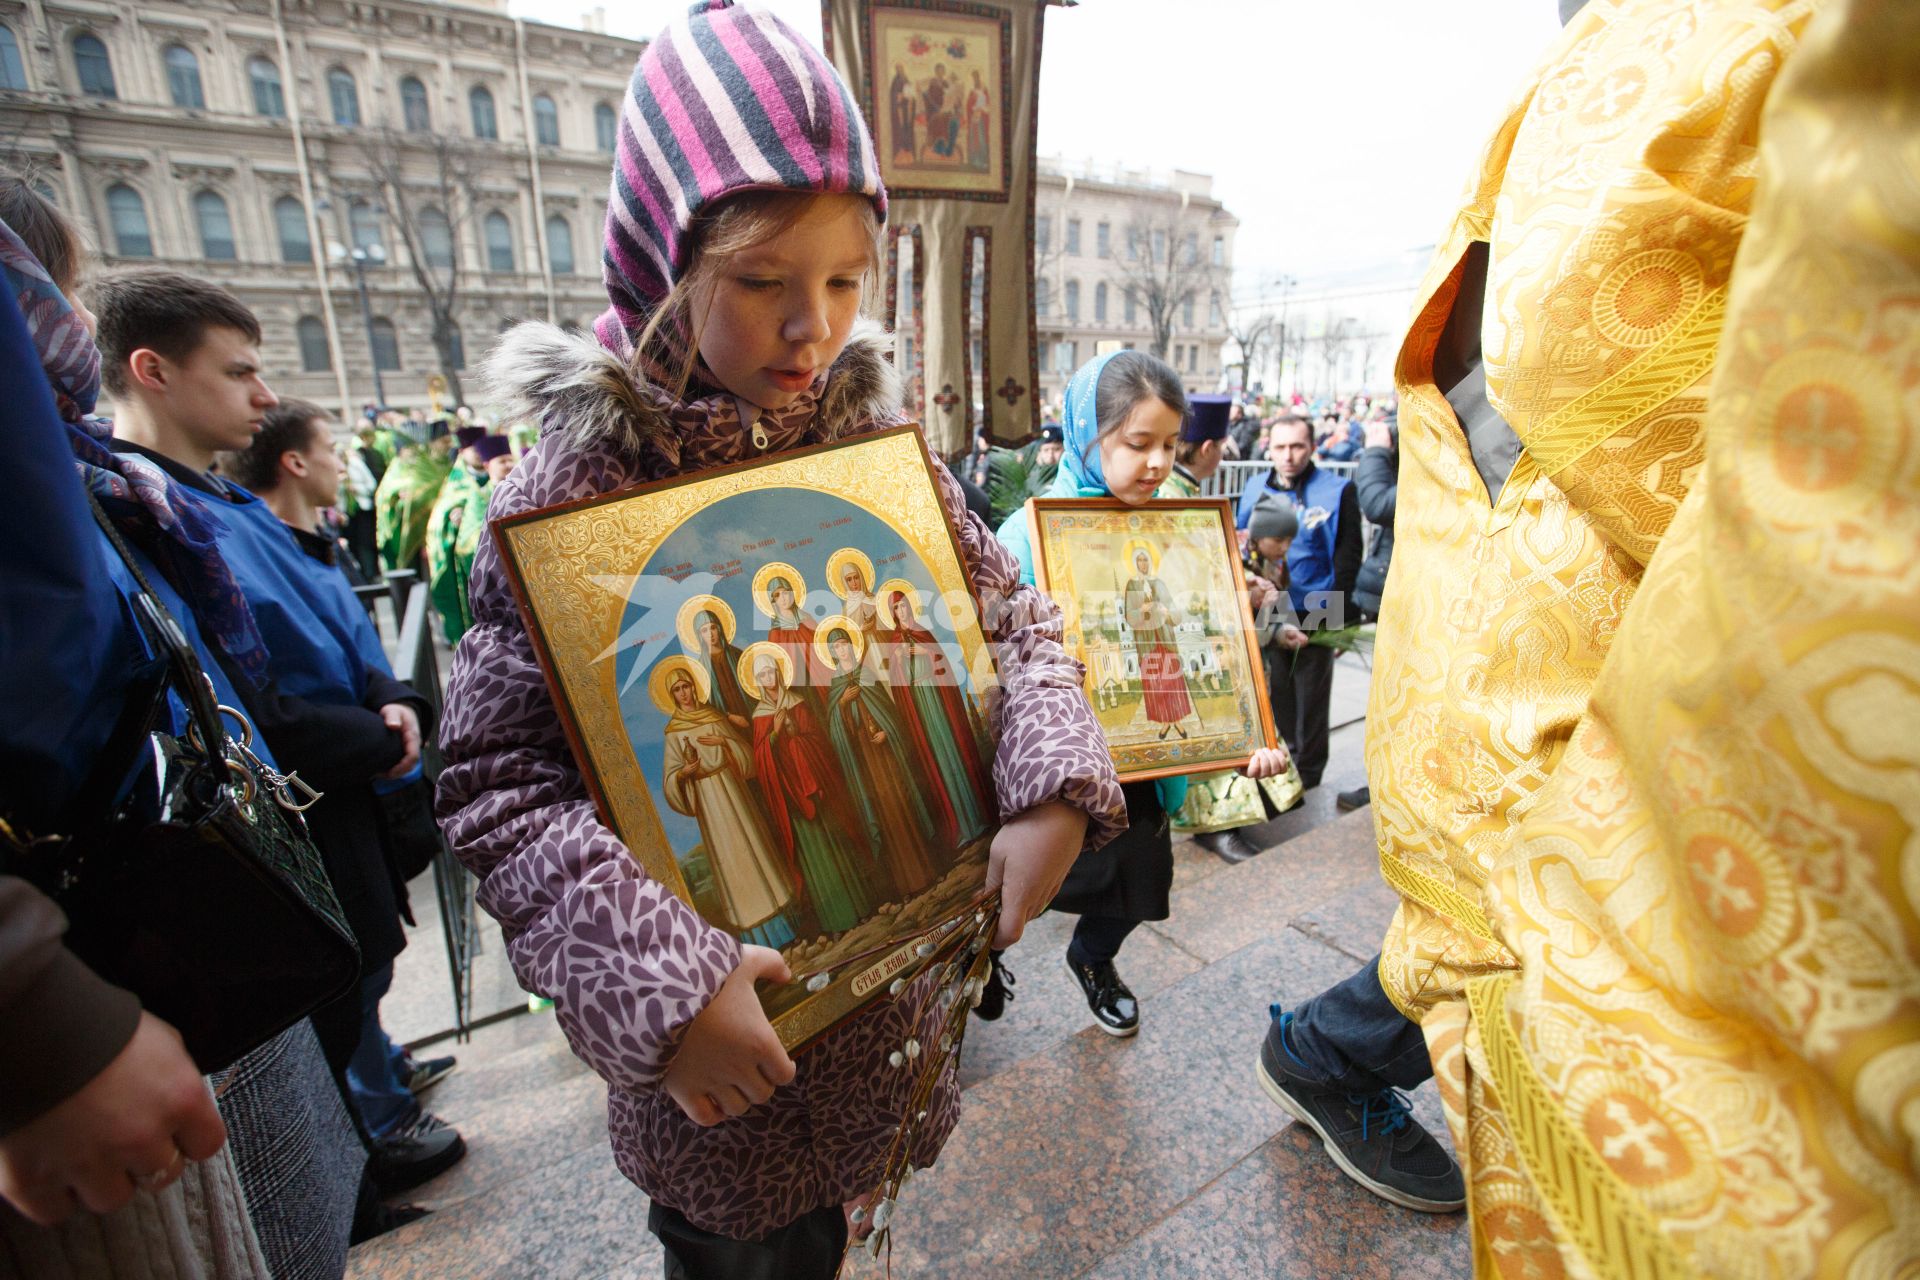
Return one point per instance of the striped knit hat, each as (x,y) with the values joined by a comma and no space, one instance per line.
(725,100)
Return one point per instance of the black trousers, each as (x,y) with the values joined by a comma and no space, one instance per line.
(808,1248)
(1300,683)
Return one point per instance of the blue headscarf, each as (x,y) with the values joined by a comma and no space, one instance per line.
(1079,475)
(1082,429)
(142,500)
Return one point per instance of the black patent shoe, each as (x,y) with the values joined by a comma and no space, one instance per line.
(1229,846)
(1115,1011)
(998,991)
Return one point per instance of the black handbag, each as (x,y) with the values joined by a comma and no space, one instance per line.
(197,888)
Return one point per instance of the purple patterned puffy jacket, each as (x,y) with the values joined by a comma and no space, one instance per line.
(626,963)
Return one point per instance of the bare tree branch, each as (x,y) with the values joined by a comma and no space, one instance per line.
(1162,266)
(427,213)
(1252,335)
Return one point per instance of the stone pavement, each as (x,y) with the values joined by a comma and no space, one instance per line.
(1077,1154)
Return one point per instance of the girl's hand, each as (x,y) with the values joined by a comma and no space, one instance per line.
(1292,637)
(1031,855)
(1267,762)
(1259,592)
(730,1059)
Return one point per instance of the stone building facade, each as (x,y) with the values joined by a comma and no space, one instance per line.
(1092,228)
(244,141)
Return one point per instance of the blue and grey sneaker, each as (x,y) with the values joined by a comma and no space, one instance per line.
(1372,1137)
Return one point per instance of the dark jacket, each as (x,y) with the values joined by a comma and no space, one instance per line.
(338,744)
(1375,478)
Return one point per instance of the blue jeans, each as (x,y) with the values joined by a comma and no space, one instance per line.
(374,1072)
(1354,1039)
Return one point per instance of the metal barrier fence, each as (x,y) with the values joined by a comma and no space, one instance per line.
(417,663)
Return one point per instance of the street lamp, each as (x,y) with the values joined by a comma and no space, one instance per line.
(361,257)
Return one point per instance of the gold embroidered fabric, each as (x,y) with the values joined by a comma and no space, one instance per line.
(1683,790)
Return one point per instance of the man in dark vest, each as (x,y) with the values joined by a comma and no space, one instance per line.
(1322,567)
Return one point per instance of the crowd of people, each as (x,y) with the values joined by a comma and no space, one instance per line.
(1642,722)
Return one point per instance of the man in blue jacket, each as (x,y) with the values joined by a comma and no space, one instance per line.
(1322,566)
(181,358)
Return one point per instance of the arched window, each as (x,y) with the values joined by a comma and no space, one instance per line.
(290,223)
(268,100)
(343,96)
(13,71)
(413,105)
(436,238)
(456,348)
(1073,299)
(559,246)
(606,127)
(91,64)
(314,354)
(386,346)
(183,78)
(499,242)
(128,214)
(546,121)
(216,226)
(1130,304)
(485,125)
(1186,312)
(1100,302)
(364,223)
(1042,297)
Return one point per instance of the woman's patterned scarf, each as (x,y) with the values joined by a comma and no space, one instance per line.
(145,502)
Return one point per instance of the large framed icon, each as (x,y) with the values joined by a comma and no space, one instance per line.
(939,97)
(775,681)
(1155,606)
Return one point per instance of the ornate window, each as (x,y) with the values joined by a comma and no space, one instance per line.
(1042,297)
(606,128)
(127,213)
(559,246)
(485,123)
(290,224)
(315,357)
(216,226)
(268,99)
(499,242)
(13,72)
(183,78)
(364,223)
(1100,302)
(436,238)
(343,96)
(1073,299)
(93,66)
(546,121)
(386,346)
(413,105)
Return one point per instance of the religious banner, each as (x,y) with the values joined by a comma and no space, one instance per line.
(951,91)
(1155,608)
(776,686)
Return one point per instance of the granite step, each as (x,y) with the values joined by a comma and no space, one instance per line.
(1079,1154)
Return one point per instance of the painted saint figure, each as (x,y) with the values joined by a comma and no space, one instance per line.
(1163,680)
(937,716)
(793,631)
(804,795)
(720,657)
(979,123)
(708,769)
(875,757)
(900,110)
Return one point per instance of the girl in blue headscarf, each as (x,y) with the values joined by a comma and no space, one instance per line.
(1123,417)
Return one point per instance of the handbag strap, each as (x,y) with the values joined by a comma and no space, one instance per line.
(169,642)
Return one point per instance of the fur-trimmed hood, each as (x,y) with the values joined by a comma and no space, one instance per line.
(574,387)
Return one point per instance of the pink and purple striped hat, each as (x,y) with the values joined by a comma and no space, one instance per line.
(725,100)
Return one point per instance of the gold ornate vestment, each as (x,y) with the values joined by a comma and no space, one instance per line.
(1645,734)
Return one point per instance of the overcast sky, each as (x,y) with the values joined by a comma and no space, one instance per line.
(1340,132)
